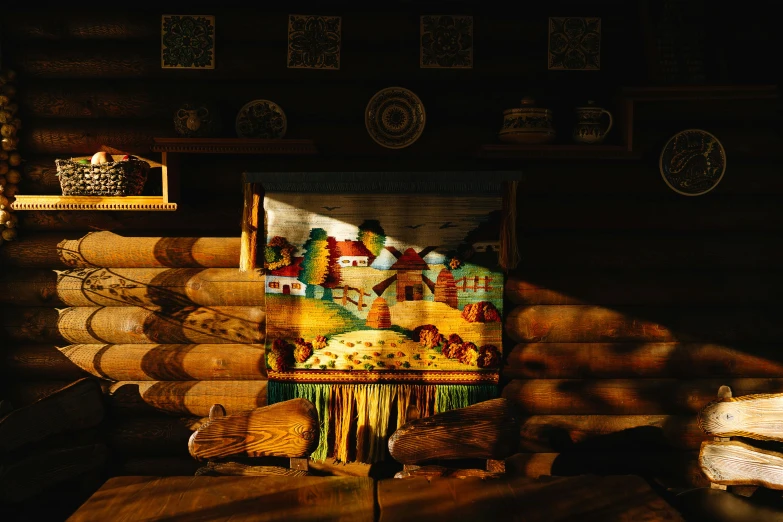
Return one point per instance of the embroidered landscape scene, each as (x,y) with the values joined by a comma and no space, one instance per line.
(382,287)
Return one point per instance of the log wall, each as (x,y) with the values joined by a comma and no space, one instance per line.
(631,304)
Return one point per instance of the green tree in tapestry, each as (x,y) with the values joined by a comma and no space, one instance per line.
(371,233)
(319,266)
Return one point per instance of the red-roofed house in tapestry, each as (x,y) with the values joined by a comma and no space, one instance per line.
(353,253)
(284,280)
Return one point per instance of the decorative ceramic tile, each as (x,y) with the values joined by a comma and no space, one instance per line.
(446,42)
(575,43)
(314,42)
(188,42)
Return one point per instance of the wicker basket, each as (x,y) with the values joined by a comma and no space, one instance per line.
(117,178)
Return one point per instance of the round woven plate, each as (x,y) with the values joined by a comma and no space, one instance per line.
(692,162)
(261,119)
(395,117)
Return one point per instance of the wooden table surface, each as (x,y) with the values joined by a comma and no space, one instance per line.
(230,498)
(584,498)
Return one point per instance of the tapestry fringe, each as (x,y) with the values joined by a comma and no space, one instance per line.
(361,415)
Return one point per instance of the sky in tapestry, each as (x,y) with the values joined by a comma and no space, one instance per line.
(409,220)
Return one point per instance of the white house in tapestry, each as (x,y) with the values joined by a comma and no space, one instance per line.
(284,280)
(353,253)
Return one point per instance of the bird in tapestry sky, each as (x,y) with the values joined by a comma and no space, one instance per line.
(415,226)
(330,208)
(447,224)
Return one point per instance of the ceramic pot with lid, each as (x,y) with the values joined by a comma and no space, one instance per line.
(527,124)
(589,128)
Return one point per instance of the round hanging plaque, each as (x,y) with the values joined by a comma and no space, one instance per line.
(395,117)
(692,162)
(261,119)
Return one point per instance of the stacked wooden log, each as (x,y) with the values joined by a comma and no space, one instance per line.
(167,334)
(50,441)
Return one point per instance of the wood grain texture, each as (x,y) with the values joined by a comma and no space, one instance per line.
(39,361)
(432,471)
(187,220)
(152,325)
(31,325)
(644,288)
(672,469)
(75,407)
(82,24)
(165,362)
(733,463)
(625,396)
(755,416)
(94,100)
(563,433)
(185,397)
(587,498)
(159,287)
(151,436)
(29,287)
(106,249)
(71,137)
(24,478)
(487,430)
(285,429)
(577,323)
(642,359)
(236,469)
(156,467)
(236,498)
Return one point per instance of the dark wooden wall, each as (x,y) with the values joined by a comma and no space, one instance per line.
(632,303)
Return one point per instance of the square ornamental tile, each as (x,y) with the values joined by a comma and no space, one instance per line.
(314,42)
(446,42)
(187,42)
(575,44)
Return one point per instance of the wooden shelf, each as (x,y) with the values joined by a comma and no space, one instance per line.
(92,203)
(701,92)
(554,151)
(233,146)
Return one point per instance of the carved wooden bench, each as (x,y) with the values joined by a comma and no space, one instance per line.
(488,431)
(287,429)
(727,462)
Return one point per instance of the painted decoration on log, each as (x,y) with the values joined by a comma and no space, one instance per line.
(187,42)
(314,42)
(376,298)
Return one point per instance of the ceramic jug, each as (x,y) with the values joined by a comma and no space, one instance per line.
(527,124)
(589,128)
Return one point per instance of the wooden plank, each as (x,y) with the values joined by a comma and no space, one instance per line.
(185,397)
(187,220)
(215,498)
(160,287)
(649,288)
(158,436)
(588,498)
(642,359)
(671,469)
(625,396)
(75,407)
(24,478)
(567,433)
(754,416)
(106,249)
(236,469)
(31,325)
(163,362)
(94,99)
(286,429)
(189,325)
(433,471)
(584,324)
(734,463)
(157,467)
(255,146)
(82,24)
(487,430)
(126,203)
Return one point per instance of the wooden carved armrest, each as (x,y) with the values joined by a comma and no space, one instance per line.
(487,430)
(286,429)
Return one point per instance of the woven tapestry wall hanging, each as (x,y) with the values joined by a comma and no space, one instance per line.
(384,299)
